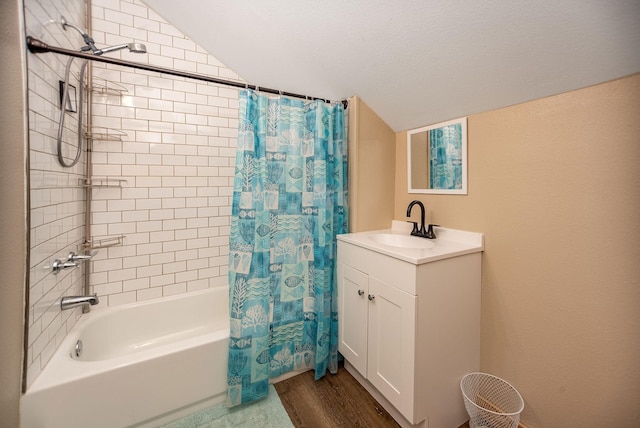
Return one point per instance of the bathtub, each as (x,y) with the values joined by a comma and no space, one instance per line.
(141,364)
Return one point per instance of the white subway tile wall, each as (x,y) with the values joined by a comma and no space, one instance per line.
(175,157)
(56,194)
(177,160)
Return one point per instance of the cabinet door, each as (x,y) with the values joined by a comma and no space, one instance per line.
(352,316)
(391,350)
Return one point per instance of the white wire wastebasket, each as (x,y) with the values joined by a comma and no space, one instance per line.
(490,401)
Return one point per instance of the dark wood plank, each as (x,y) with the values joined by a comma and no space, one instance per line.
(333,401)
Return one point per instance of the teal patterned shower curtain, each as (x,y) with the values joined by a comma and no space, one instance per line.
(289,203)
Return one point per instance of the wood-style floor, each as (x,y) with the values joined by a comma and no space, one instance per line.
(333,401)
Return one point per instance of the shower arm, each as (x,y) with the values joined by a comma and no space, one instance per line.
(87,39)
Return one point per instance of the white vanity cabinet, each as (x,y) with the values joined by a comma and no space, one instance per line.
(377,333)
(409,332)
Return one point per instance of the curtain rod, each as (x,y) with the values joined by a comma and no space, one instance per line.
(37,46)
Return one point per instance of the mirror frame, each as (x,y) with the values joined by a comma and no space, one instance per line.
(463,191)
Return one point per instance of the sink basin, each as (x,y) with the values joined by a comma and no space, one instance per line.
(401,241)
(398,244)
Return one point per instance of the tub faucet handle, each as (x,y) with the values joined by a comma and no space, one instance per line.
(59,265)
(73,257)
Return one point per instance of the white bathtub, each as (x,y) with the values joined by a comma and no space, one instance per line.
(141,364)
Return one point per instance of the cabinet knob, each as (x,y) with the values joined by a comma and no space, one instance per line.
(371,297)
(360,292)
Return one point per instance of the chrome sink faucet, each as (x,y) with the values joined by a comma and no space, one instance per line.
(421,232)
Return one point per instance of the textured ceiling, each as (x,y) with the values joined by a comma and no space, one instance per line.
(417,62)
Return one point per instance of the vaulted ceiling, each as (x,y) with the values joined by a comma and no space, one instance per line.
(417,62)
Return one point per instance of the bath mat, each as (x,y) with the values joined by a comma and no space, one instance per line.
(265,413)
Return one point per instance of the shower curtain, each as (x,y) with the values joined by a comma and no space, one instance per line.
(289,203)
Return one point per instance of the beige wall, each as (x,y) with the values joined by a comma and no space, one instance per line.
(12,210)
(555,186)
(371,169)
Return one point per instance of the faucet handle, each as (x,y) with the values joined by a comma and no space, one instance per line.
(430,233)
(415,227)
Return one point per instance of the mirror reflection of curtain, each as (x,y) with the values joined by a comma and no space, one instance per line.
(289,202)
(445,157)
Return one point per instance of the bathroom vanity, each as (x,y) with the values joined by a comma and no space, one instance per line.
(409,317)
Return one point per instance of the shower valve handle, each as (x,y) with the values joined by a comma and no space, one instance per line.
(73,257)
(59,265)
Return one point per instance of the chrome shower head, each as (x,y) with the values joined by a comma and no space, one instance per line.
(133,47)
(137,48)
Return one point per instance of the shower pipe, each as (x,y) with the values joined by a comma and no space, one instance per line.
(37,46)
(86,65)
(88,167)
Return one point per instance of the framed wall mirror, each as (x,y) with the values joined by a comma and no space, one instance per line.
(437,158)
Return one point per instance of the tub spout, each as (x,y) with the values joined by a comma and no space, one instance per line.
(70,302)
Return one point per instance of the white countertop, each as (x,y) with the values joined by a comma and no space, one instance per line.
(448,243)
